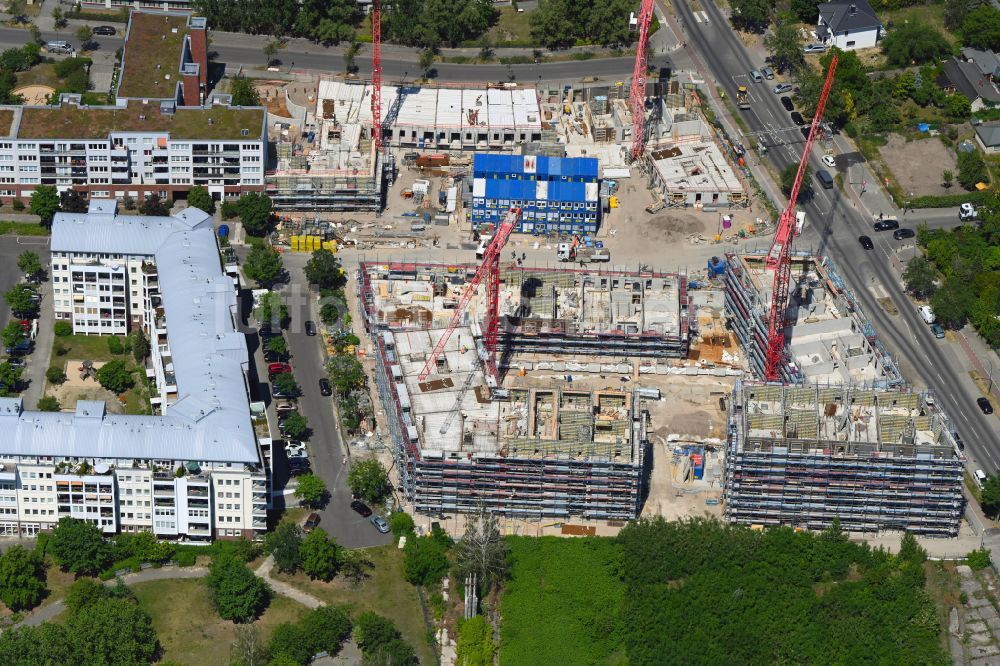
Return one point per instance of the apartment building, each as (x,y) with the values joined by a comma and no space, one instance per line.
(165,58)
(193,470)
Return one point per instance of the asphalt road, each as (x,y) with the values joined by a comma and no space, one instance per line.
(326,448)
(832,227)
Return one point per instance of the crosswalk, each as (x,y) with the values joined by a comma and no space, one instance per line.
(700,17)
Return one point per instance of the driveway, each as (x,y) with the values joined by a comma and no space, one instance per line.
(11,247)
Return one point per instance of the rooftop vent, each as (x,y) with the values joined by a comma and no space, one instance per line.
(854,10)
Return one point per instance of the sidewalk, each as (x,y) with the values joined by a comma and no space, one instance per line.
(284,589)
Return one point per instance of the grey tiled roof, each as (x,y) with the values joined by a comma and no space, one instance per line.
(838,16)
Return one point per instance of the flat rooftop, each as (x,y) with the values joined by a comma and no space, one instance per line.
(457,420)
(841,420)
(72,121)
(693,165)
(534,300)
(153,55)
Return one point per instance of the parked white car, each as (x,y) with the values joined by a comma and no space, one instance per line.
(967,212)
(830,161)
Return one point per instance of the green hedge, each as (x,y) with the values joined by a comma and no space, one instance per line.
(949,200)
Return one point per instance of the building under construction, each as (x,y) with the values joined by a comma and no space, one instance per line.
(531,446)
(829,340)
(876,459)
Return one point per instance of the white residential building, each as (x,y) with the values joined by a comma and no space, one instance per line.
(194,471)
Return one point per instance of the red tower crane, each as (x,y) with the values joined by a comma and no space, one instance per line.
(779,258)
(637,95)
(377,74)
(490,271)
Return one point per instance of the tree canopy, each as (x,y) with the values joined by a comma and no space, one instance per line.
(368,479)
(914,43)
(255,212)
(981,28)
(325,21)
(243,92)
(380,641)
(22,578)
(20,299)
(263,265)
(29,263)
(319,555)
(115,376)
(45,203)
(237,593)
(324,269)
(154,206)
(919,277)
(751,15)
(198,197)
(785,44)
(283,544)
(78,546)
(311,490)
(562,23)
(971,169)
(425,560)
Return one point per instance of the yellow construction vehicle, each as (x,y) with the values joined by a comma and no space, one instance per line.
(743,98)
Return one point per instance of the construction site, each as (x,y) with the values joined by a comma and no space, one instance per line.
(828,339)
(875,459)
(525,444)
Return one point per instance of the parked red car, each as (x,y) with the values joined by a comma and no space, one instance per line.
(278,368)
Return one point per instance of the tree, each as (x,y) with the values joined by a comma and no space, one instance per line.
(20,299)
(955,12)
(140,345)
(990,496)
(291,642)
(271,48)
(372,631)
(351,56)
(58,19)
(147,548)
(248,648)
(324,269)
(947,178)
(29,263)
(45,203)
(971,169)
(957,106)
(981,28)
(296,426)
(327,628)
(751,15)
(425,561)
(263,264)
(115,346)
(785,44)
(952,301)
(311,490)
(10,378)
(13,333)
(255,213)
(277,344)
(83,593)
(328,21)
(368,480)
(272,311)
(237,593)
(552,24)
(55,375)
(919,277)
(483,552)
(153,206)
(913,42)
(283,544)
(475,642)
(78,546)
(115,376)
(86,36)
(319,555)
(426,62)
(806,11)
(22,578)
(346,374)
(401,523)
(113,631)
(198,197)
(285,383)
(48,403)
(244,93)
(788,180)
(355,565)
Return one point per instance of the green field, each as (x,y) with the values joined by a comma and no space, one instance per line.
(563,603)
(190,630)
(386,593)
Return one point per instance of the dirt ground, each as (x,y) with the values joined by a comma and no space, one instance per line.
(918,165)
(74,389)
(37,95)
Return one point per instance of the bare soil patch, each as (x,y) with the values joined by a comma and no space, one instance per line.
(918,165)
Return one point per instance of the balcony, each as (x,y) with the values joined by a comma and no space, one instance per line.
(197,492)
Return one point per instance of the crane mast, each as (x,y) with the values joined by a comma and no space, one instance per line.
(489,270)
(377,75)
(637,94)
(779,258)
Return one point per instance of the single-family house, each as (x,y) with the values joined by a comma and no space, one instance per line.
(987,61)
(988,137)
(959,76)
(848,25)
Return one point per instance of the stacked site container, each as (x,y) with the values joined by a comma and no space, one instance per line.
(556,194)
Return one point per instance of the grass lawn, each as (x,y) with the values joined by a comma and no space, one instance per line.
(23,228)
(930,14)
(511,29)
(386,593)
(190,630)
(57,582)
(42,74)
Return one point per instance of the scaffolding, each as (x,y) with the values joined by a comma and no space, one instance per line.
(521,452)
(874,459)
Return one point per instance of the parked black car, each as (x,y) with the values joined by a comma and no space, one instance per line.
(984,405)
(324,386)
(361,508)
(310,328)
(900,234)
(105,31)
(786,102)
(797,118)
(886,225)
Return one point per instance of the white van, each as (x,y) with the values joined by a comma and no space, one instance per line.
(926,314)
(484,242)
(980,477)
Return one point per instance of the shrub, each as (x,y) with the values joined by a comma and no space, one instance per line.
(17,204)
(185,558)
(115,345)
(978,559)
(55,375)
(62,328)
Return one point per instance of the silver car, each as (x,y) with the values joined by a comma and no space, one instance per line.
(815,48)
(756,76)
(380,524)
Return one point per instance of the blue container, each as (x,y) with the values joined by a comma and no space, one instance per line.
(223,230)
(716,266)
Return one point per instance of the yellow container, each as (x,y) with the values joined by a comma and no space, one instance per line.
(614,202)
(294,243)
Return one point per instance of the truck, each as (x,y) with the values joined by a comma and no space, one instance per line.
(743,98)
(585,255)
